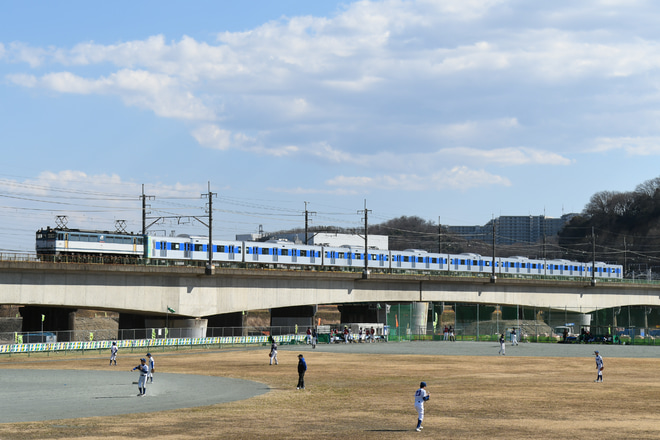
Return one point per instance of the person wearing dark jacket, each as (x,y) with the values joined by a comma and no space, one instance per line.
(302,367)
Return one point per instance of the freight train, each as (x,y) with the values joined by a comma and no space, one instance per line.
(188,249)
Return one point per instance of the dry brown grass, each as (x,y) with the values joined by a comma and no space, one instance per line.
(359,396)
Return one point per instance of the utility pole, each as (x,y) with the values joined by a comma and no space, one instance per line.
(307,222)
(210,195)
(625,256)
(593,257)
(366,212)
(493,277)
(439,236)
(144,210)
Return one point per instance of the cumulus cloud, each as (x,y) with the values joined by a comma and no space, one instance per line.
(137,88)
(421,85)
(633,146)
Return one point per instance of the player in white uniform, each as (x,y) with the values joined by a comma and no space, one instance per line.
(142,381)
(113,353)
(421,396)
(273,352)
(599,367)
(151,364)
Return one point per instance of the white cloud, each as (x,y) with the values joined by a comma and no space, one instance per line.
(156,92)
(508,156)
(632,146)
(381,86)
(460,178)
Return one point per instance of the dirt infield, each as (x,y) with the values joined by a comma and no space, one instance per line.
(364,391)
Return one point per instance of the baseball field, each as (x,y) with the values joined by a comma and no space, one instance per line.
(355,391)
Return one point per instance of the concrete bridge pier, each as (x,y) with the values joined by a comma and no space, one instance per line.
(419,318)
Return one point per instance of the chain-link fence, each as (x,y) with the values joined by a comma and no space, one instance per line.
(487,322)
(143,333)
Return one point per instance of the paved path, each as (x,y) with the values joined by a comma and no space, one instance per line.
(37,395)
(485,349)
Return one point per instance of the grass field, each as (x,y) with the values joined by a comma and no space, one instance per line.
(369,396)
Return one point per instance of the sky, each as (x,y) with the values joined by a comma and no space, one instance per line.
(455,111)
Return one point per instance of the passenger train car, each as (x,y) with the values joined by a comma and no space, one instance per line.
(185,249)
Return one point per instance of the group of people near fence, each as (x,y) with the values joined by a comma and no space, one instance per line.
(347,336)
(448,334)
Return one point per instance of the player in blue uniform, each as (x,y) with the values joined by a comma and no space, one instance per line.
(421,396)
(142,381)
(599,366)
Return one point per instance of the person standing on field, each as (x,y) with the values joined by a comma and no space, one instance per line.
(502,343)
(142,382)
(302,367)
(421,396)
(151,365)
(599,366)
(273,353)
(113,353)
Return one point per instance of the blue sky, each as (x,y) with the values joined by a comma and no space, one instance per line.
(458,110)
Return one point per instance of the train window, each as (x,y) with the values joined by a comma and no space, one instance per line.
(565,267)
(285,252)
(463,262)
(340,255)
(303,252)
(434,260)
(264,251)
(487,263)
(523,266)
(474,262)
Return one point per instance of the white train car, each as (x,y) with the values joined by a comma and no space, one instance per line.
(222,251)
(281,252)
(416,259)
(604,270)
(93,243)
(472,263)
(168,248)
(521,266)
(353,257)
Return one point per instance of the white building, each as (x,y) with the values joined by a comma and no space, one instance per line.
(329,239)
